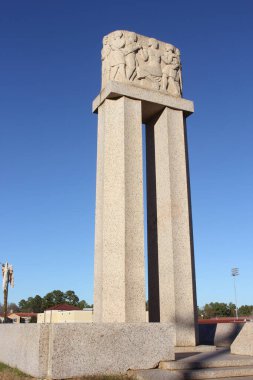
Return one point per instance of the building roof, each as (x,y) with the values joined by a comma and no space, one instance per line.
(23,315)
(64,307)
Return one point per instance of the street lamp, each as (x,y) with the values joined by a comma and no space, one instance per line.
(235,272)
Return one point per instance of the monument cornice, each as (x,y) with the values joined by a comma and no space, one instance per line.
(153,101)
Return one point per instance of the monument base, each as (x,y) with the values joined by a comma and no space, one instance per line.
(60,351)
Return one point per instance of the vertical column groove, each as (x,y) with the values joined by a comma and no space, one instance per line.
(152,240)
(98,259)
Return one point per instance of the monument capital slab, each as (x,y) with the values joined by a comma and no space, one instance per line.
(153,101)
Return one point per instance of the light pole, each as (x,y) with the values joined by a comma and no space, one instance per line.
(235,272)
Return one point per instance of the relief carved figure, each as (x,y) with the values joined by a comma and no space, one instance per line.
(167,58)
(128,57)
(177,51)
(117,57)
(105,61)
(150,64)
(173,78)
(132,46)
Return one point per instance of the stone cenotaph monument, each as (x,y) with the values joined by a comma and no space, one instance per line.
(142,84)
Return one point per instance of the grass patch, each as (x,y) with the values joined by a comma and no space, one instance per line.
(8,373)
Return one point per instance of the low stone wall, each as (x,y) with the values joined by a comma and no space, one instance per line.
(59,351)
(219,334)
(243,344)
(25,346)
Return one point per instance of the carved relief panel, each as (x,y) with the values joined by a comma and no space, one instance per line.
(132,58)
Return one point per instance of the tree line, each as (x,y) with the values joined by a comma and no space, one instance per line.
(221,309)
(39,304)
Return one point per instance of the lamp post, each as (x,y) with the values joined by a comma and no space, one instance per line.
(235,272)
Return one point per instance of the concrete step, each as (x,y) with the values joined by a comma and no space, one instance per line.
(218,359)
(200,348)
(198,374)
(219,364)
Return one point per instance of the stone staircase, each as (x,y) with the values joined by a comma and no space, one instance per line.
(218,364)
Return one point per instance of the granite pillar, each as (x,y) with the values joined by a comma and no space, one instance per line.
(119,258)
(160,245)
(119,294)
(183,253)
(173,245)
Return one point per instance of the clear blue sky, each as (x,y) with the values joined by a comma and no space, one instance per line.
(49,75)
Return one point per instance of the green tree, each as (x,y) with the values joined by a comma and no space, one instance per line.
(71,298)
(25,306)
(83,304)
(245,310)
(231,309)
(22,305)
(218,309)
(53,298)
(38,304)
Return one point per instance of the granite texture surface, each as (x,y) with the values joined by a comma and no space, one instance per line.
(243,344)
(160,241)
(206,365)
(170,223)
(119,265)
(182,240)
(153,101)
(60,351)
(25,347)
(113,348)
(119,237)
